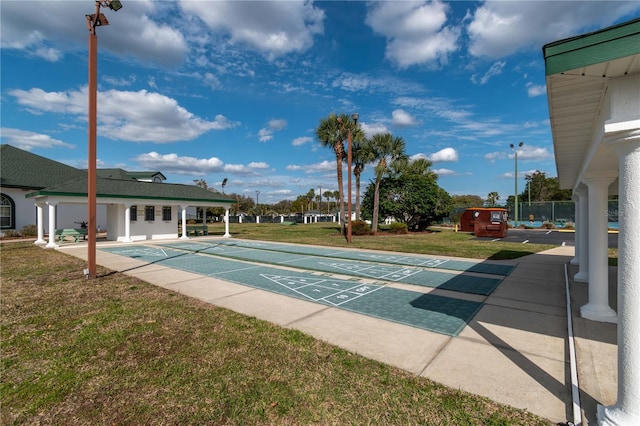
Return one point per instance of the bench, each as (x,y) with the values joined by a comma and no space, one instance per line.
(76,233)
(197,230)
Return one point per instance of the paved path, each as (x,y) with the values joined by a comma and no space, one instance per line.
(514,350)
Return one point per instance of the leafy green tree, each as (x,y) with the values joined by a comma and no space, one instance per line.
(243,204)
(283,207)
(413,199)
(385,150)
(543,188)
(464,201)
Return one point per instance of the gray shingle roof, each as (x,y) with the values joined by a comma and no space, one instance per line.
(119,188)
(23,169)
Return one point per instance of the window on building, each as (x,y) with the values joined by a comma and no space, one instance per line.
(149,213)
(166,213)
(7,213)
(133,213)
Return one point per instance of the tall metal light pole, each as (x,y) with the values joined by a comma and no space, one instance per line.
(93,21)
(515,178)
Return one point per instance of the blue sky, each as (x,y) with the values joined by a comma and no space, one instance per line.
(213,90)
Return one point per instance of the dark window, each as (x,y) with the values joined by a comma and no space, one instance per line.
(149,213)
(133,213)
(7,213)
(166,213)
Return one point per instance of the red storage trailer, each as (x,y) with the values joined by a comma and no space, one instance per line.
(485,221)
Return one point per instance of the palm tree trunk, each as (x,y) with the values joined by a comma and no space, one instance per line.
(358,196)
(376,205)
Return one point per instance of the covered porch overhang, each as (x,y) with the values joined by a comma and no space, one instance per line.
(593,89)
(51,199)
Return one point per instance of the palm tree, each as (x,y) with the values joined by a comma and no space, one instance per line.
(361,155)
(386,150)
(328,195)
(310,197)
(419,166)
(492,198)
(336,196)
(331,132)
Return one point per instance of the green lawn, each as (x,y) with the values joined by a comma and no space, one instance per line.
(442,241)
(117,350)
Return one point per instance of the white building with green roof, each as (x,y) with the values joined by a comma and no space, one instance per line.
(131,205)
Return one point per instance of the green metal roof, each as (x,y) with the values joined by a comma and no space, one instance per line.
(599,46)
(23,169)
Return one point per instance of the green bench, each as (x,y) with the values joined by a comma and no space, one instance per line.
(197,230)
(76,233)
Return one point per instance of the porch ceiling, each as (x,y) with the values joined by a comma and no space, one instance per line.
(578,72)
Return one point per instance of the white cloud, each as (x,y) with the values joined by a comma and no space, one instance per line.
(401,118)
(140,116)
(135,33)
(273,28)
(415,31)
(173,163)
(373,128)
(493,156)
(266,134)
(444,155)
(301,140)
(324,166)
(525,153)
(495,69)
(258,165)
(48,54)
(534,90)
(500,28)
(27,140)
(445,172)
(532,153)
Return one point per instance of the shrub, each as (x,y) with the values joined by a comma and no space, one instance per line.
(360,227)
(398,228)
(569,225)
(29,231)
(548,225)
(10,233)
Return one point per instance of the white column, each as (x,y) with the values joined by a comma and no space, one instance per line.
(226,224)
(184,235)
(576,234)
(127,224)
(583,207)
(52,226)
(626,411)
(598,308)
(40,219)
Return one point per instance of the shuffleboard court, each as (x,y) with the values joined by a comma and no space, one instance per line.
(388,272)
(439,314)
(400,259)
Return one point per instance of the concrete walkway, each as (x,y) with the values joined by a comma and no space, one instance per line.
(515,350)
